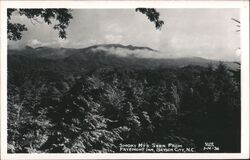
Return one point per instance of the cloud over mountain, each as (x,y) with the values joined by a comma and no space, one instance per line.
(126,51)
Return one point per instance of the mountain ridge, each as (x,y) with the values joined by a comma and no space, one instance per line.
(115,55)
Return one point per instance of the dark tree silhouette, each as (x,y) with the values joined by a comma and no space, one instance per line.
(152,15)
(238,23)
(63,16)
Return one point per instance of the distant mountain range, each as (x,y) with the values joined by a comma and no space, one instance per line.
(107,55)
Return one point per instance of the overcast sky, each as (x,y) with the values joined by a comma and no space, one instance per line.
(208,33)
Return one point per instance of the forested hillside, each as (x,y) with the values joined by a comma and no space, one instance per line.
(85,100)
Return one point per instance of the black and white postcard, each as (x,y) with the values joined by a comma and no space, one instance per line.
(124,79)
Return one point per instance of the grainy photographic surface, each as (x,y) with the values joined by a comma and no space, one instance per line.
(142,80)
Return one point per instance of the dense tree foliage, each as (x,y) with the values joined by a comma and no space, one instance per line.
(94,110)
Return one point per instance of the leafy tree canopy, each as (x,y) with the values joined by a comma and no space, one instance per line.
(63,17)
(152,15)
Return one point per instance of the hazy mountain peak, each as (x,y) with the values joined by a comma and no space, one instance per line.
(116,45)
(28,47)
(123,51)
